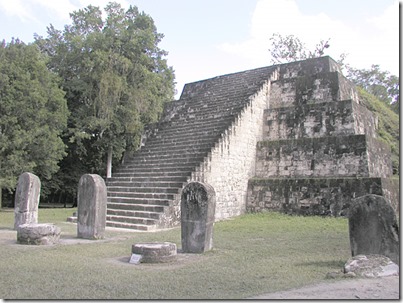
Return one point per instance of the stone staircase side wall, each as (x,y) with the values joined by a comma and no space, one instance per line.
(231,163)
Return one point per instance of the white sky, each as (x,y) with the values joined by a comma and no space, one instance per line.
(207,38)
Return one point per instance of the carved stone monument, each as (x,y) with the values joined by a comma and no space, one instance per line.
(91,208)
(197,217)
(27,199)
(373,228)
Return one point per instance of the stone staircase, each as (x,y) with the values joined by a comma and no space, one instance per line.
(143,193)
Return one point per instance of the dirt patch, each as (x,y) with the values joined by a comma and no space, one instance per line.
(353,288)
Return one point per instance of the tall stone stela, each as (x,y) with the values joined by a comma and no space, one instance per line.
(91,209)
(197,217)
(27,199)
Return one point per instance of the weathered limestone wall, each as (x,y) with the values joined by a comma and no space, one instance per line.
(232,161)
(319,120)
(313,157)
(379,159)
(365,122)
(316,196)
(349,156)
(311,89)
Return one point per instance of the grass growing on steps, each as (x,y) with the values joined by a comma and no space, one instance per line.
(253,254)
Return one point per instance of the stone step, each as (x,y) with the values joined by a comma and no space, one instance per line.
(132,220)
(182,127)
(137,195)
(135,207)
(222,107)
(139,227)
(202,134)
(164,166)
(207,131)
(159,156)
(178,148)
(158,184)
(195,129)
(176,152)
(163,162)
(169,190)
(142,178)
(216,114)
(151,174)
(192,139)
(142,201)
(135,214)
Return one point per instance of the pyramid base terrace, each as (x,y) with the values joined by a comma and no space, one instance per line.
(317,196)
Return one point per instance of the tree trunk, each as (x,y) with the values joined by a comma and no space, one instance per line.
(109,164)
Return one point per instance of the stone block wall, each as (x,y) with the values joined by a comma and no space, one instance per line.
(312,157)
(310,89)
(316,196)
(349,156)
(231,163)
(311,120)
(365,122)
(379,159)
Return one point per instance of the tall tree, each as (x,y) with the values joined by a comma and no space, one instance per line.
(380,83)
(33,113)
(116,80)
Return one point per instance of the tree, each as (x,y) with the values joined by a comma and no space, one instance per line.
(290,48)
(33,113)
(380,83)
(116,80)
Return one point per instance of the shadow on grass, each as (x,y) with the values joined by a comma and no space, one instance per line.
(333,263)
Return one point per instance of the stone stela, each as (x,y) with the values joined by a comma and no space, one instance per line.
(91,208)
(27,199)
(373,228)
(197,211)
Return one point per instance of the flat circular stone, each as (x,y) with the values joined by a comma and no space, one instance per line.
(158,252)
(38,234)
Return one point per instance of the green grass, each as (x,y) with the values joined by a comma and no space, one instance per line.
(253,254)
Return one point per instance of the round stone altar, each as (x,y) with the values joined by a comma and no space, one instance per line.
(158,252)
(38,234)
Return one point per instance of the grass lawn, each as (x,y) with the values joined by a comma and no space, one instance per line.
(252,254)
